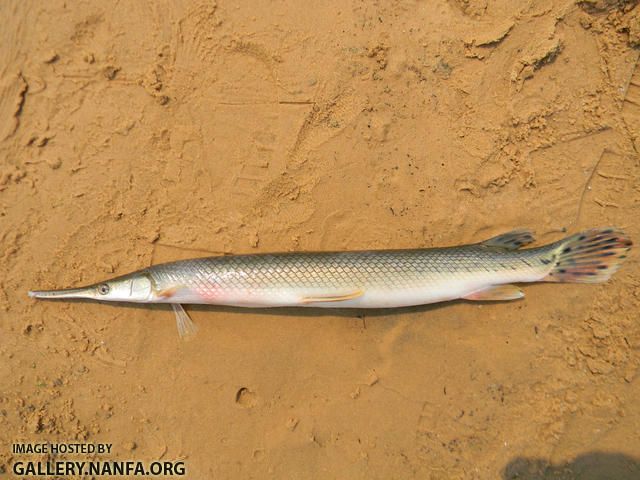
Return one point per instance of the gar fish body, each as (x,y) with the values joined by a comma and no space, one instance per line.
(366,279)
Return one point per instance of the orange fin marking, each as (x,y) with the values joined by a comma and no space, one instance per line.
(340,298)
(496,292)
(170,292)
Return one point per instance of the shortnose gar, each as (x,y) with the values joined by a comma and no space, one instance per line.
(366,279)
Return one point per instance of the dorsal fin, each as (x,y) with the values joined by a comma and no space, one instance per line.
(511,240)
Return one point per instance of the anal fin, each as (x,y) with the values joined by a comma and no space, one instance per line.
(186,327)
(496,292)
(511,240)
(333,298)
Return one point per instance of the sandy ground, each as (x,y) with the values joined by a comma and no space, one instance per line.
(140,132)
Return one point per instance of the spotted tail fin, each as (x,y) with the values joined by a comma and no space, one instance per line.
(589,257)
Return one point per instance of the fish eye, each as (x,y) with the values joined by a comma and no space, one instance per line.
(103,289)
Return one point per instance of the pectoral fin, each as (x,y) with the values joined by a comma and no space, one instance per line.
(334,298)
(186,327)
(496,292)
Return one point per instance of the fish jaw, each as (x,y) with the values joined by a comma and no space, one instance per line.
(135,287)
(69,293)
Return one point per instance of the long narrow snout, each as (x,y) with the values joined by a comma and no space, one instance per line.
(84,292)
(133,287)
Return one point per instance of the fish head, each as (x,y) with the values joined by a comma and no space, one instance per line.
(134,287)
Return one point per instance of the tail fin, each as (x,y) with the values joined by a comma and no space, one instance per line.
(589,257)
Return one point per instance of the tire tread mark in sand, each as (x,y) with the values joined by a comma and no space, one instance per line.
(257,172)
(600,189)
(325,120)
(631,108)
(257,51)
(194,32)
(250,177)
